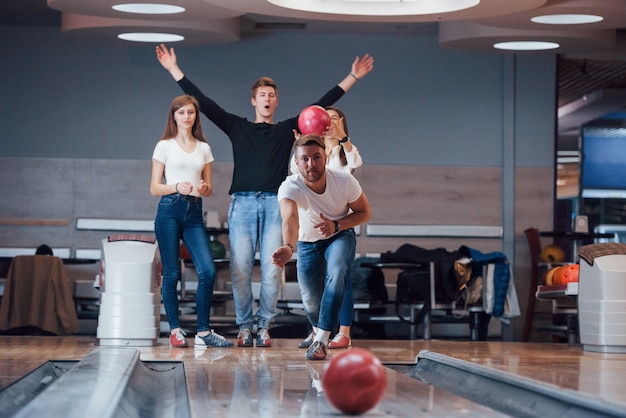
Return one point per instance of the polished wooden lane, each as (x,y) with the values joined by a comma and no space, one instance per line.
(278,381)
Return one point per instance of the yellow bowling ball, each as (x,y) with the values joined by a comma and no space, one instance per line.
(552,254)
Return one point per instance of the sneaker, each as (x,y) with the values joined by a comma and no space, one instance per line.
(306,343)
(340,341)
(317,351)
(263,338)
(212,340)
(177,339)
(244,338)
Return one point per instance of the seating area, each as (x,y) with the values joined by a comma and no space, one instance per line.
(414,319)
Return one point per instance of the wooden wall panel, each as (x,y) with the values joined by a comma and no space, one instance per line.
(35,188)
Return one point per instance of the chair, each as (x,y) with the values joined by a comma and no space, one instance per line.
(534,246)
(37,295)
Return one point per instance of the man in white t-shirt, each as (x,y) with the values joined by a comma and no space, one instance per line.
(320,208)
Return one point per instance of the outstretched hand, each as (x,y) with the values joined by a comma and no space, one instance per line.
(362,66)
(166,57)
(281,256)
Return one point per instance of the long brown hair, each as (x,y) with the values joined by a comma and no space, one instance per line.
(171,129)
(342,116)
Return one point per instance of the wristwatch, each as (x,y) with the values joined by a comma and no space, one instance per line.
(337,227)
(344,139)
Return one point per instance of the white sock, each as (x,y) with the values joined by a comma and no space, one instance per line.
(322,336)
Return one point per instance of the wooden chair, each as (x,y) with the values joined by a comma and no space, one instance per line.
(534,246)
(37,296)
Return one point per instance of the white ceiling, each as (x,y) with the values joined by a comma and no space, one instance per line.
(473,29)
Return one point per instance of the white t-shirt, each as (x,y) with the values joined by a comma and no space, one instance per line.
(181,165)
(341,189)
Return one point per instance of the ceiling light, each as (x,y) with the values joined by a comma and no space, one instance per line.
(526,45)
(150,37)
(377,7)
(567,19)
(148,8)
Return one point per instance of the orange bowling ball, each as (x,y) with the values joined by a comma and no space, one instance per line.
(566,274)
(548,278)
(354,381)
(313,120)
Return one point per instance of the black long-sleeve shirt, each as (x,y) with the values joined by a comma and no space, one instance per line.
(261,151)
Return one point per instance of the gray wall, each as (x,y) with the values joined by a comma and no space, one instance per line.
(447,137)
(64,98)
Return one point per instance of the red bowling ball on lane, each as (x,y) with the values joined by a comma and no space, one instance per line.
(354,381)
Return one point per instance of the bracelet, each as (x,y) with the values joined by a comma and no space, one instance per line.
(293,250)
(176,187)
(355,77)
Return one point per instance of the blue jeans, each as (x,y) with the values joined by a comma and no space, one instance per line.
(323,275)
(254,219)
(347,307)
(178,219)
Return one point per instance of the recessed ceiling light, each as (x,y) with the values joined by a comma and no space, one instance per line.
(377,7)
(150,37)
(526,45)
(149,8)
(567,19)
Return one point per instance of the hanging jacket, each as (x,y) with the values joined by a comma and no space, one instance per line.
(501,277)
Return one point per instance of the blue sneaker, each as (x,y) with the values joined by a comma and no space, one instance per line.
(211,340)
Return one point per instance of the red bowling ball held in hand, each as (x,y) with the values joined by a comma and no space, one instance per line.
(313,120)
(354,381)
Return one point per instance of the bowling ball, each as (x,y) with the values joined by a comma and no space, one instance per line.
(566,274)
(218,249)
(313,120)
(548,278)
(552,254)
(354,381)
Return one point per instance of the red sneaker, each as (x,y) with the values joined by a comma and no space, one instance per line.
(177,339)
(317,351)
(340,341)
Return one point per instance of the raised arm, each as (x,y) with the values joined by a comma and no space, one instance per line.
(167,58)
(360,68)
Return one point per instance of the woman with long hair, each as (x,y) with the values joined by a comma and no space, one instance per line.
(181,175)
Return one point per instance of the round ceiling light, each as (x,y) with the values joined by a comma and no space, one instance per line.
(148,8)
(377,7)
(150,37)
(526,45)
(567,19)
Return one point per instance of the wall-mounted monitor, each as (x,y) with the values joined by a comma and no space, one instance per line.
(603,159)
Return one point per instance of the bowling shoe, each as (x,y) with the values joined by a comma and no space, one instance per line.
(244,338)
(317,351)
(263,338)
(177,339)
(212,340)
(340,341)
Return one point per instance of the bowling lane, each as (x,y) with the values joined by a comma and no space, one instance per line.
(229,381)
